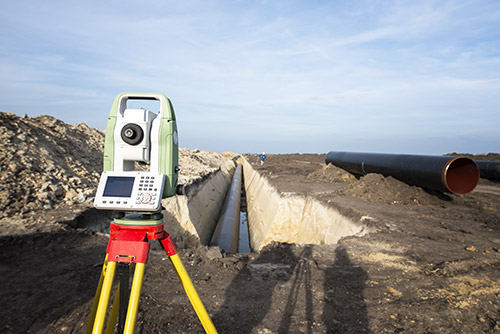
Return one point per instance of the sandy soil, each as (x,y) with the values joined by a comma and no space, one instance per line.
(430,265)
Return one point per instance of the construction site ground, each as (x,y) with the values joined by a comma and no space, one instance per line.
(430,264)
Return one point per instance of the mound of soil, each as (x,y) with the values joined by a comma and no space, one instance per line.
(331,173)
(379,189)
(196,165)
(484,157)
(46,163)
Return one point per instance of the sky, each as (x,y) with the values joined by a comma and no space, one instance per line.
(416,77)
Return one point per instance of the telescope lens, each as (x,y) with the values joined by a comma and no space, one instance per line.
(132,134)
(129,133)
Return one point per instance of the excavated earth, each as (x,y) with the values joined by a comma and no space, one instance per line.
(426,262)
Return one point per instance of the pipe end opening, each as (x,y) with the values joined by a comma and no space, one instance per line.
(461,176)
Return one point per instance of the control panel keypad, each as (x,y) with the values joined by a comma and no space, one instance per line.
(148,191)
(145,193)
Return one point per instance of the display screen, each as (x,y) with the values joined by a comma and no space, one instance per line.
(119,186)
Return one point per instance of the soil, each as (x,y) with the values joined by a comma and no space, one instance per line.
(429,265)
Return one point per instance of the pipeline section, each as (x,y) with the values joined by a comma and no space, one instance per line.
(489,169)
(458,175)
(227,231)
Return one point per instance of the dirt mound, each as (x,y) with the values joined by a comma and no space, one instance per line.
(331,173)
(196,165)
(484,157)
(388,190)
(374,187)
(46,162)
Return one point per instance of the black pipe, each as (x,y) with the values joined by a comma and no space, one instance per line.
(489,169)
(458,175)
(226,234)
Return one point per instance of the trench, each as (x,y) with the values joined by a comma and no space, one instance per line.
(244,235)
(270,216)
(290,218)
(264,215)
(231,232)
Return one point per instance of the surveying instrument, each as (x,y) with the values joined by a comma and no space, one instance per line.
(137,136)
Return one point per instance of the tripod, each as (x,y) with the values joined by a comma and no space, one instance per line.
(128,243)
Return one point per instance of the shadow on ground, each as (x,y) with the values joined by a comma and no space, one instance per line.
(344,310)
(288,290)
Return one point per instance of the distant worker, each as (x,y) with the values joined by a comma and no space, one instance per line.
(262,157)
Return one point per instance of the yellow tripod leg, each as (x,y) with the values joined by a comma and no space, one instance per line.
(133,303)
(93,311)
(104,298)
(113,315)
(193,296)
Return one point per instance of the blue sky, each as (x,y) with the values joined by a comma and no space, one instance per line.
(420,77)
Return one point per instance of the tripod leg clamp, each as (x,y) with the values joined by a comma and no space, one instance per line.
(169,245)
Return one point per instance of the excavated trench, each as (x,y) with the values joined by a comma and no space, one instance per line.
(264,214)
(273,216)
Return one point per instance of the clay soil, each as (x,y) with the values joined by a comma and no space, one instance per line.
(430,264)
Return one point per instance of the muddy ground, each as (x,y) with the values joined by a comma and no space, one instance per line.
(430,265)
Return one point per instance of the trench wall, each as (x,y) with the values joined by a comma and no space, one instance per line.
(290,218)
(191,219)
